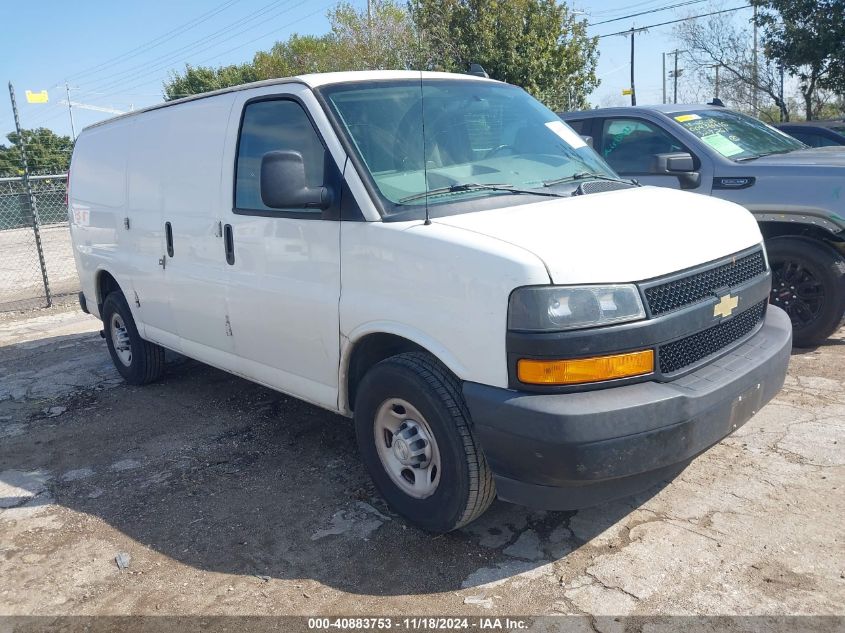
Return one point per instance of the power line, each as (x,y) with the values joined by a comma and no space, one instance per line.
(614,11)
(656,10)
(275,30)
(158,41)
(652,26)
(105,82)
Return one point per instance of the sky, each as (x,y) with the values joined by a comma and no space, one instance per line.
(117,54)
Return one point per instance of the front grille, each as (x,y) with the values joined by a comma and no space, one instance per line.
(686,351)
(702,285)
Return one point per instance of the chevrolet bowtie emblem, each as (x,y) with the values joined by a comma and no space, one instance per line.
(725,306)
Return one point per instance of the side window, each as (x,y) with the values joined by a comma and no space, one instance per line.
(813,140)
(628,145)
(577,125)
(268,126)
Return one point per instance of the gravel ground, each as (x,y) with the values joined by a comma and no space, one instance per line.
(230,498)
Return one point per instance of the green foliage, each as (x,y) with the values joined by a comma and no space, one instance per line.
(806,37)
(46,153)
(536,44)
(197,79)
(386,39)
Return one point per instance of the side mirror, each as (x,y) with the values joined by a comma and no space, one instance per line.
(673,163)
(283,184)
(587,139)
(680,164)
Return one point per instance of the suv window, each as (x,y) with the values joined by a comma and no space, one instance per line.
(629,144)
(267,126)
(577,124)
(813,140)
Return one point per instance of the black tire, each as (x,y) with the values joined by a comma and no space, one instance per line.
(808,281)
(147,359)
(465,489)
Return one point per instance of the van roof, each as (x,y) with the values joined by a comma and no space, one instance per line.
(312,80)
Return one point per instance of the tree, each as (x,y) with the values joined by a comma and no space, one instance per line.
(807,39)
(47,153)
(536,44)
(197,79)
(715,42)
(385,38)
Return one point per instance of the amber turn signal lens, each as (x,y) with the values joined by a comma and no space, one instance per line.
(580,370)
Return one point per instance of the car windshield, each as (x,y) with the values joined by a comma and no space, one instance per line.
(458,140)
(737,136)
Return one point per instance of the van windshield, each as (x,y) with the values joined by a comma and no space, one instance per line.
(443,135)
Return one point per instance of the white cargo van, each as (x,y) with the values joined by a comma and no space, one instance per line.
(443,259)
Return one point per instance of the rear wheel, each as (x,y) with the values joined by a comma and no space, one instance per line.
(414,434)
(137,360)
(808,282)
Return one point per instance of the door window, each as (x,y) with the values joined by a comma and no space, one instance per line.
(813,140)
(267,126)
(628,145)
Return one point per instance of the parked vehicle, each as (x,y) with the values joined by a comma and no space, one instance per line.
(796,193)
(816,133)
(443,259)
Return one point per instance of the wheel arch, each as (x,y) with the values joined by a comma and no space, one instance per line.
(371,347)
(773,229)
(105,283)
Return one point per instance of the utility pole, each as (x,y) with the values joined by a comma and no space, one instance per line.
(664,77)
(780,96)
(70,111)
(675,76)
(717,81)
(32,205)
(754,69)
(633,89)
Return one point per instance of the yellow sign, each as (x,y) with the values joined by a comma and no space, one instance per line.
(683,118)
(725,306)
(626,91)
(36,97)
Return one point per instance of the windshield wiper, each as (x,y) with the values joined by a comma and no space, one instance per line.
(475,186)
(586,175)
(755,156)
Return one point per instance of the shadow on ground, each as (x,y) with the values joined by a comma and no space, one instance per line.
(226,476)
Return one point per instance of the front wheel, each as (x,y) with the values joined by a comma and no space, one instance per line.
(808,282)
(414,435)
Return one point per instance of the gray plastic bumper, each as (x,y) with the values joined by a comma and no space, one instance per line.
(565,451)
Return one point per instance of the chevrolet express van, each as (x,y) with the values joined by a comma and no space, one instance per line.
(442,259)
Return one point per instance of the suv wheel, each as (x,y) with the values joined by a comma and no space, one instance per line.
(137,360)
(808,282)
(414,434)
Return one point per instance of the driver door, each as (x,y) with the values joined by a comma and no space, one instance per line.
(630,146)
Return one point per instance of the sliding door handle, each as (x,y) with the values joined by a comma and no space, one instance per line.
(168,235)
(229,244)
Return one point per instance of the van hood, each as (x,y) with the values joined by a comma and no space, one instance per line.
(619,236)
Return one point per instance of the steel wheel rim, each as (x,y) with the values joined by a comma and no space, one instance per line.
(120,339)
(797,290)
(407,448)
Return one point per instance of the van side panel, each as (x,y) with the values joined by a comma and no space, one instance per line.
(189,185)
(97,206)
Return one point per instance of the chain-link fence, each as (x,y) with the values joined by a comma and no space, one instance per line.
(38,266)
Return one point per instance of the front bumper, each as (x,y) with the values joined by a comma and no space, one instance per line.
(567,451)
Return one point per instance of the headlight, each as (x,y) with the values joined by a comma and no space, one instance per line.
(555,308)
